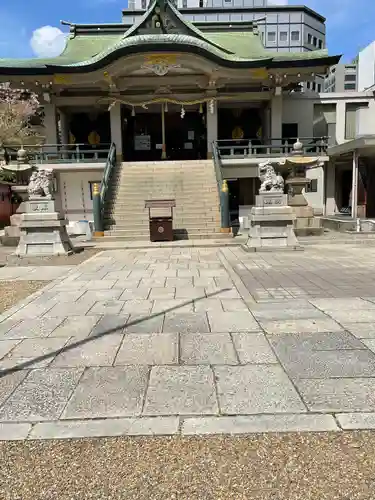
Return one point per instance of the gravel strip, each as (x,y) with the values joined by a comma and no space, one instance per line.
(12,292)
(53,260)
(292,466)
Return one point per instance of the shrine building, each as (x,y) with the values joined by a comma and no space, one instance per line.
(164,109)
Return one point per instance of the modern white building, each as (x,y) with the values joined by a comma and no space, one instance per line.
(283,28)
(366,67)
(341,78)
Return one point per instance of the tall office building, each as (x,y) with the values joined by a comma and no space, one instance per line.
(283,28)
(342,78)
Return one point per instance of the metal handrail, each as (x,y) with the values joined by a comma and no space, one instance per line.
(62,153)
(218,166)
(108,169)
(254,147)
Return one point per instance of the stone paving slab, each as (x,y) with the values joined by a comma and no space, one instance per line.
(256,389)
(186,323)
(108,392)
(238,321)
(77,327)
(37,328)
(301,325)
(8,383)
(352,421)
(258,423)
(99,351)
(181,390)
(138,323)
(193,340)
(148,349)
(6,346)
(361,330)
(338,394)
(207,349)
(154,426)
(14,431)
(42,395)
(253,348)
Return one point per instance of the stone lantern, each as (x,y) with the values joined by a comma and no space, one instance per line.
(297,183)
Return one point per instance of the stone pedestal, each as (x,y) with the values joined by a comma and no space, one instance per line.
(43,230)
(11,236)
(305,223)
(271,224)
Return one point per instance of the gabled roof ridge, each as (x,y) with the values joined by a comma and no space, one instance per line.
(162,5)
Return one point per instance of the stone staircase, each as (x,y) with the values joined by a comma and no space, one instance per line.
(191,183)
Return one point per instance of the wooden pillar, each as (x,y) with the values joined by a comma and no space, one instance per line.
(163,140)
(116,129)
(211,124)
(277,119)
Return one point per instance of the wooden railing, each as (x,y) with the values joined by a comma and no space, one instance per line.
(247,148)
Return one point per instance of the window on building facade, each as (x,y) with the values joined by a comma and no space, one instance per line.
(315,41)
(312,187)
(349,86)
(309,39)
(144,4)
(319,87)
(324,124)
(271,36)
(283,36)
(314,86)
(350,78)
(320,44)
(295,36)
(351,118)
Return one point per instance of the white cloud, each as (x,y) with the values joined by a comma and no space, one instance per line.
(48,41)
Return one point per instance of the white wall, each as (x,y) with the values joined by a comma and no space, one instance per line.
(365,119)
(316,200)
(366,67)
(298,108)
(74,192)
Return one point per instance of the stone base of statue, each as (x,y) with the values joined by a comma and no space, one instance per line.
(42,230)
(306,224)
(272,224)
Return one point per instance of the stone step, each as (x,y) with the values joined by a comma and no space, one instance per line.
(120,235)
(200,203)
(164,165)
(145,230)
(141,228)
(177,220)
(193,210)
(144,184)
(192,184)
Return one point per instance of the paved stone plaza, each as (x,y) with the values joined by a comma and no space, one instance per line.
(192,341)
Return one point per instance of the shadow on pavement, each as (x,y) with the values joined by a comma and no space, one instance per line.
(90,338)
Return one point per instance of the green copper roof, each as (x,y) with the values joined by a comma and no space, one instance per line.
(162,28)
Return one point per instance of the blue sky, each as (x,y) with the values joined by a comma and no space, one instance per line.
(350,23)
